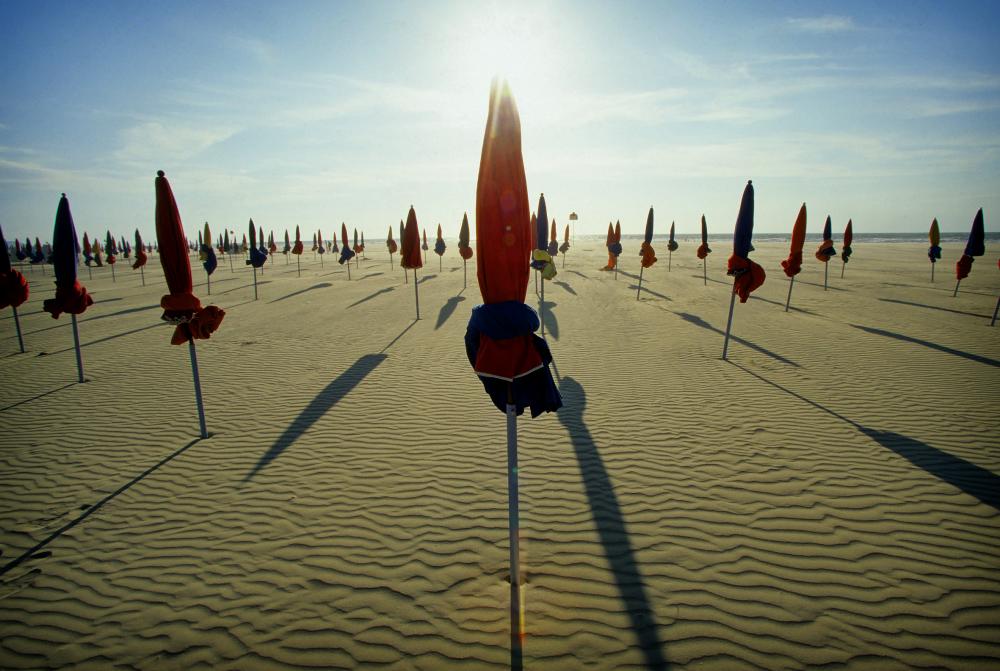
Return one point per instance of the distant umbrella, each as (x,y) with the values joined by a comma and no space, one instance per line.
(363,242)
(553,240)
(934,252)
(464,248)
(845,253)
(671,246)
(391,245)
(747,275)
(111,252)
(439,247)
(346,253)
(13,288)
(976,246)
(424,246)
(540,259)
(826,251)
(704,250)
(71,297)
(258,256)
(228,250)
(88,255)
(564,247)
(646,253)
(512,363)
(272,248)
(18,252)
(125,249)
(297,250)
(793,264)
(181,307)
(321,248)
(96,247)
(141,258)
(410,257)
(287,248)
(616,245)
(607,243)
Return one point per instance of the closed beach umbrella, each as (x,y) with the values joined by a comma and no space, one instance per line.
(747,275)
(512,363)
(671,247)
(826,251)
(320,247)
(793,264)
(88,253)
(297,250)
(553,240)
(439,247)
(564,247)
(540,258)
(71,297)
(258,254)
(934,251)
(18,252)
(391,245)
(845,250)
(111,252)
(346,253)
(975,246)
(423,245)
(288,246)
(410,256)
(464,248)
(141,258)
(616,245)
(13,288)
(96,247)
(704,250)
(610,240)
(181,307)
(646,253)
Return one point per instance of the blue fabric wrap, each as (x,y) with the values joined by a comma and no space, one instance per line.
(257,257)
(211,261)
(615,248)
(553,248)
(538,265)
(976,246)
(346,254)
(499,321)
(934,253)
(439,247)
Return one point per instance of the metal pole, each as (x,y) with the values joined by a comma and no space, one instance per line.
(994,321)
(843,267)
(142,274)
(513,526)
(112,272)
(826,273)
(704,269)
(729,322)
(208,278)
(416,294)
(197,389)
(76,344)
(641,268)
(955,293)
(465,273)
(255,283)
(541,306)
(932,271)
(670,257)
(348,264)
(788,302)
(20,340)
(298,264)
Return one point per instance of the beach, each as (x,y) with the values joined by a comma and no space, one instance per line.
(827,497)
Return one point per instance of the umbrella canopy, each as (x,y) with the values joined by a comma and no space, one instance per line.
(826,251)
(288,244)
(297,247)
(540,257)
(976,246)
(88,252)
(357,245)
(845,252)
(321,248)
(793,264)
(37,256)
(511,361)
(423,245)
(258,255)
(411,257)
(616,246)
(439,245)
(401,231)
(96,247)
(671,243)
(703,249)
(225,242)
(271,247)
(18,252)
(390,243)
(463,239)
(646,248)
(180,306)
(209,262)
(260,237)
(934,251)
(362,241)
(125,248)
(13,286)
(747,275)
(564,247)
(140,251)
(110,248)
(553,240)
(71,297)
(346,253)
(314,242)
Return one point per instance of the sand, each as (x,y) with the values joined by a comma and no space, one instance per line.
(827,498)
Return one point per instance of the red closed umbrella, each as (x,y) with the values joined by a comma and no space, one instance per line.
(410,253)
(793,264)
(704,250)
(181,307)
(13,287)
(391,245)
(845,251)
(464,248)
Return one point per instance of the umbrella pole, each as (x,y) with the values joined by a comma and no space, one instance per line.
(788,301)
(90,274)
(729,322)
(541,306)
(993,322)
(112,272)
(298,264)
(197,389)
(416,294)
(440,261)
(20,340)
(513,527)
(465,273)
(932,271)
(843,267)
(348,271)
(955,293)
(704,270)
(670,257)
(637,291)
(390,262)
(231,269)
(255,283)
(76,344)
(616,268)
(321,260)
(564,259)
(826,273)
(142,274)
(536,282)
(208,278)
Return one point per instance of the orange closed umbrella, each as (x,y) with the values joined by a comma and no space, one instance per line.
(13,288)
(391,246)
(464,249)
(410,255)
(564,247)
(845,252)
(793,264)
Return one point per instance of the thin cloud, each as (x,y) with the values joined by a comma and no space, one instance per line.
(828,23)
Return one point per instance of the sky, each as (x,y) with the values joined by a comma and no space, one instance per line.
(317,113)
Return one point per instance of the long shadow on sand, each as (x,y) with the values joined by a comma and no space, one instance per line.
(548,317)
(565,286)
(649,291)
(577,272)
(64,324)
(29,554)
(448,309)
(328,397)
(371,296)
(42,395)
(105,339)
(10,315)
(698,321)
(926,343)
(321,285)
(933,307)
(610,523)
(974,480)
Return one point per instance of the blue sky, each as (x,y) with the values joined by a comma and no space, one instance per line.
(317,113)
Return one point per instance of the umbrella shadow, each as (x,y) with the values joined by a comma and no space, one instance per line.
(425,278)
(321,285)
(651,292)
(448,308)
(327,397)
(817,284)
(217,281)
(933,307)
(631,276)
(926,343)
(90,319)
(974,480)
(260,283)
(43,312)
(565,286)
(105,339)
(610,523)
(698,321)
(781,305)
(710,279)
(35,398)
(935,288)
(29,554)
(548,316)
(374,295)
(577,272)
(373,275)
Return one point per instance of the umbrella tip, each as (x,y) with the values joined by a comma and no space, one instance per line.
(749,181)
(64,195)
(159,173)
